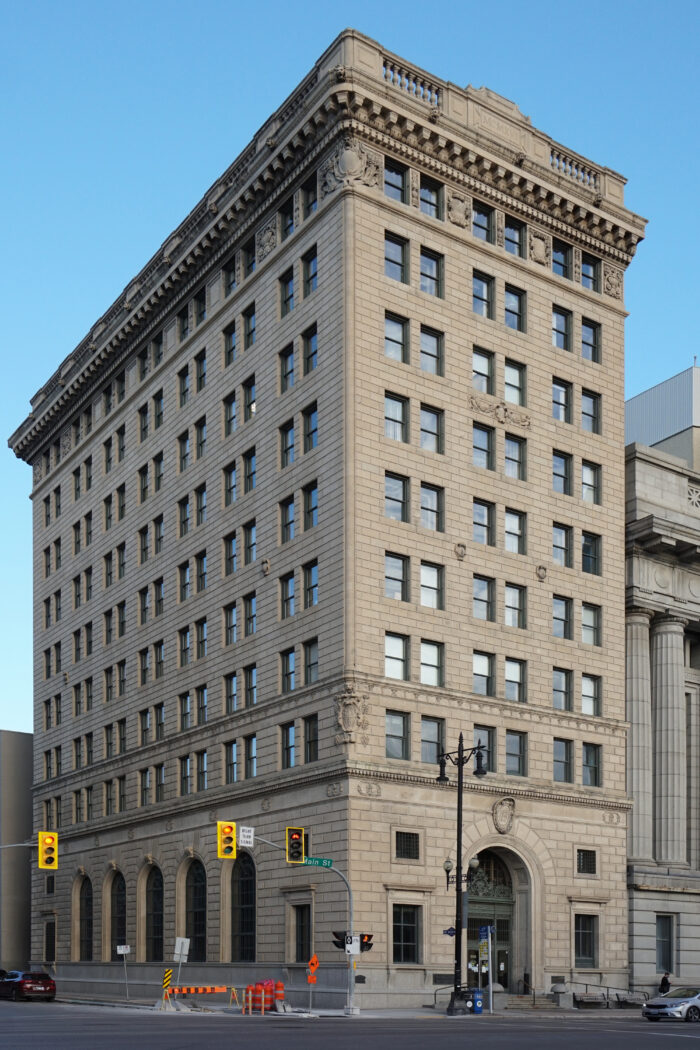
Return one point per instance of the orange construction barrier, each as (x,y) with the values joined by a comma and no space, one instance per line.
(268,994)
(279,992)
(248,998)
(258,998)
(198,990)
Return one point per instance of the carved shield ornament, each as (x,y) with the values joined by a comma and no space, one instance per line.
(503,812)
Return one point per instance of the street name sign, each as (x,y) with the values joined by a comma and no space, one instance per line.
(319,862)
(123,949)
(246,836)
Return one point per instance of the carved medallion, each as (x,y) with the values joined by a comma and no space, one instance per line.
(540,248)
(612,282)
(265,804)
(612,817)
(501,412)
(168,825)
(130,834)
(351,710)
(503,812)
(460,550)
(369,789)
(349,163)
(458,210)
(334,790)
(267,239)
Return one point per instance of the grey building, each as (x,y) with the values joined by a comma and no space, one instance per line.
(663,679)
(15,864)
(272,585)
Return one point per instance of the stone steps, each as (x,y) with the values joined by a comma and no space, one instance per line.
(526,1002)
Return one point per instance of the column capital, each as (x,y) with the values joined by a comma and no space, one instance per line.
(638,613)
(671,622)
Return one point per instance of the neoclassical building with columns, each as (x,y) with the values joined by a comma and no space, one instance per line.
(338,476)
(663,680)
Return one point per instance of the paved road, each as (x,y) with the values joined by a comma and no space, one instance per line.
(57,1026)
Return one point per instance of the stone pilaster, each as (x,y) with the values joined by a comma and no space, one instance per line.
(640,839)
(668,700)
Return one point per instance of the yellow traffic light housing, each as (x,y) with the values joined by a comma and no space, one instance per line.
(226,840)
(295,845)
(48,850)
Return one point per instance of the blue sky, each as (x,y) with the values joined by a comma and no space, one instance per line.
(118,116)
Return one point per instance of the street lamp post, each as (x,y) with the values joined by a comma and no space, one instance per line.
(459,758)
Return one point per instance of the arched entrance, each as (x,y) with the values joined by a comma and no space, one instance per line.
(499,896)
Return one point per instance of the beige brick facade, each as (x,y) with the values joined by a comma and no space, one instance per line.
(311,187)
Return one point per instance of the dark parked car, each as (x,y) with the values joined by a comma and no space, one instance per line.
(26,984)
(683,1004)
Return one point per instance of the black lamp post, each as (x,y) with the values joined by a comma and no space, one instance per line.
(459,758)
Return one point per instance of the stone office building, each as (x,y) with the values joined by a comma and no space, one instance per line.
(337,477)
(663,679)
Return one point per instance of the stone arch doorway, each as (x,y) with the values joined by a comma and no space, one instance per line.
(500,897)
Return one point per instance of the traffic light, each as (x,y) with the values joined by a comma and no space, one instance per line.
(48,850)
(226,840)
(339,939)
(295,845)
(366,942)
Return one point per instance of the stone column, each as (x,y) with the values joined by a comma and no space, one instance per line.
(640,840)
(668,699)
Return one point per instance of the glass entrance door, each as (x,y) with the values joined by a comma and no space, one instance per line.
(490,903)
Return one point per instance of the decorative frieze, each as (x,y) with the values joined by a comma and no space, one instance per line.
(350,162)
(500,411)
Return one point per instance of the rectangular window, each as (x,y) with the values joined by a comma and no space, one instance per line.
(431,429)
(562,545)
(407,845)
(407,933)
(309,194)
(561,400)
(311,738)
(515,606)
(396,258)
(591,553)
(431,351)
(431,197)
(229,345)
(561,689)
(248,256)
(432,586)
(515,457)
(590,482)
(200,496)
(586,942)
(158,472)
(561,259)
(286,285)
(432,739)
(482,294)
(310,350)
(396,656)
(302,931)
(183,446)
(249,543)
(249,614)
(396,338)
(485,737)
(287,745)
(562,761)
(310,505)
(396,497)
(432,510)
(159,717)
(201,635)
(664,943)
(183,386)
(310,422)
(483,224)
(201,571)
(158,409)
(202,704)
(200,429)
(561,472)
(515,531)
(231,693)
(185,711)
(514,383)
(482,370)
(144,787)
(483,604)
(249,327)
(287,219)
(286,368)
(395,181)
(516,680)
(143,484)
(397,735)
(562,626)
(229,485)
(483,530)
(590,694)
(143,545)
(432,663)
(516,753)
(231,762)
(396,582)
(590,272)
(590,341)
(184,646)
(396,417)
(590,412)
(514,237)
(310,584)
(432,267)
(251,756)
(287,671)
(287,520)
(287,596)
(310,271)
(185,775)
(482,674)
(515,316)
(591,624)
(561,328)
(311,661)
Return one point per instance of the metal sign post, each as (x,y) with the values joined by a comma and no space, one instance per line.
(182,948)
(492,930)
(123,950)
